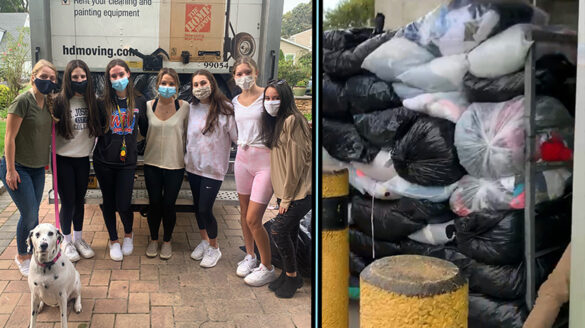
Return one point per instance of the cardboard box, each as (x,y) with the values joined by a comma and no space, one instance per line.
(196,26)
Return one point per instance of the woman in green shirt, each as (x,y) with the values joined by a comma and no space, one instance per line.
(26,153)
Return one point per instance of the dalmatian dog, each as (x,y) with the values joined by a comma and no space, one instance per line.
(52,279)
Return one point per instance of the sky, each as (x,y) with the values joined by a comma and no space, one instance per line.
(290,4)
(328,4)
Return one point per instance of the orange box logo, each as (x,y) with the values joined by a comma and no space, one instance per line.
(197,18)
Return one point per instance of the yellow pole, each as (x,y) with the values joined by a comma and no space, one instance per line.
(412,291)
(335,250)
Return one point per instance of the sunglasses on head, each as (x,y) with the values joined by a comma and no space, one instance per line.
(276,82)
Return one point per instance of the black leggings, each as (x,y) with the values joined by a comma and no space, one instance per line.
(285,230)
(204,192)
(72,178)
(163,188)
(116,185)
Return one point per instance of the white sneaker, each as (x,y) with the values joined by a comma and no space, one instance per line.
(199,251)
(23,266)
(83,248)
(128,245)
(71,252)
(116,252)
(212,255)
(260,276)
(246,265)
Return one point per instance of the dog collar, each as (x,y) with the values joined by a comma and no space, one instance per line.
(50,263)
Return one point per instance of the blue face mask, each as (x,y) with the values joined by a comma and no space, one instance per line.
(120,84)
(166,92)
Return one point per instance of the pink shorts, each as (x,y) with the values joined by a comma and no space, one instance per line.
(252,171)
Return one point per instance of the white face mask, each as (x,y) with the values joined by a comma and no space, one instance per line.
(272,107)
(202,93)
(245,82)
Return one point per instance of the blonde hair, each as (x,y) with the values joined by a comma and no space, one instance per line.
(245,60)
(39,65)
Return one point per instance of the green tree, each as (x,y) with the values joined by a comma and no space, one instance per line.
(12,60)
(350,13)
(293,72)
(14,6)
(299,19)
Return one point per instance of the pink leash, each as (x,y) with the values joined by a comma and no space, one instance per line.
(55,190)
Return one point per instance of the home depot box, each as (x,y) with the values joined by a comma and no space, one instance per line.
(196,26)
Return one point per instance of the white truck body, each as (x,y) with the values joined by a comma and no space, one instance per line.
(213,32)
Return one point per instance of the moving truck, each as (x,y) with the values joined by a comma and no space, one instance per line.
(149,34)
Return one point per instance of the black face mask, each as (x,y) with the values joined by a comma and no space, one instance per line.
(45,86)
(79,87)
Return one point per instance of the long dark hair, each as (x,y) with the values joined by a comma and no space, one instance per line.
(271,127)
(109,97)
(64,126)
(218,102)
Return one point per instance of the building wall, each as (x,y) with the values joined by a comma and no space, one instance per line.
(304,38)
(288,48)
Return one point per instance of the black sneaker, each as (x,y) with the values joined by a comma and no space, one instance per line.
(273,286)
(289,287)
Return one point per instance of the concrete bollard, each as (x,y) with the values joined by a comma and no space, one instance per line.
(412,291)
(335,250)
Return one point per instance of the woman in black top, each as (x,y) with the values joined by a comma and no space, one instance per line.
(114,157)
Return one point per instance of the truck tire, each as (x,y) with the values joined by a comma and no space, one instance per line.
(244,45)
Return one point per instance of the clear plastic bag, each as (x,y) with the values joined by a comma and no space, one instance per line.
(380,169)
(475,195)
(395,57)
(446,105)
(435,234)
(405,91)
(442,74)
(490,137)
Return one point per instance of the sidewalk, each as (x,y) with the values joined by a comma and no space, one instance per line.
(145,292)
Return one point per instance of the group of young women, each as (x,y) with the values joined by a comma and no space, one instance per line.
(273,157)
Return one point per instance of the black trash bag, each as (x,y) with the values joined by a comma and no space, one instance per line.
(380,127)
(345,39)
(506,282)
(357,264)
(303,247)
(395,220)
(552,71)
(361,244)
(425,154)
(497,237)
(343,142)
(145,83)
(367,93)
(99,81)
(486,312)
(344,63)
(335,103)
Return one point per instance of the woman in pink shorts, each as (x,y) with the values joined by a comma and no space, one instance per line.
(252,171)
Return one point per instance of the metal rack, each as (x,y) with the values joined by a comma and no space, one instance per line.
(531,166)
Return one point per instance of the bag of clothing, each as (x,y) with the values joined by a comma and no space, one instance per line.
(380,169)
(478,195)
(497,237)
(345,39)
(344,63)
(397,187)
(446,105)
(395,57)
(490,137)
(344,143)
(366,94)
(442,74)
(425,153)
(486,312)
(380,127)
(330,164)
(335,102)
(435,234)
(395,220)
(502,54)
(404,91)
(361,244)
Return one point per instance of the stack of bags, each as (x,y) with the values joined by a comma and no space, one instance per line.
(442,175)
